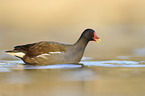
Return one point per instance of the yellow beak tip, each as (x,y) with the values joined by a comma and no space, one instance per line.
(99,39)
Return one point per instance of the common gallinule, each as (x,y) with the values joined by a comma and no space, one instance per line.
(46,52)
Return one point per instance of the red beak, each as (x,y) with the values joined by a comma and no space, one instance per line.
(96,38)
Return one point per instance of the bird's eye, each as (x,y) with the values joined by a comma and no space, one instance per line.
(90,33)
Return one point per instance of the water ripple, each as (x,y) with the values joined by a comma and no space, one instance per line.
(7,66)
(113,63)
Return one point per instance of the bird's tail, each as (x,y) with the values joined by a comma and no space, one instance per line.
(16,53)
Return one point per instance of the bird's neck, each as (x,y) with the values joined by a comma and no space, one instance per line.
(81,43)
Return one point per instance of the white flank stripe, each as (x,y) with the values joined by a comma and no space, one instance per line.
(19,54)
(57,52)
(44,55)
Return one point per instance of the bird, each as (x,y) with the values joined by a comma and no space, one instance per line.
(49,53)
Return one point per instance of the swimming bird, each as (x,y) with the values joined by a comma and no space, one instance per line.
(47,52)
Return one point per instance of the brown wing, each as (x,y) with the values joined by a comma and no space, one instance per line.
(36,49)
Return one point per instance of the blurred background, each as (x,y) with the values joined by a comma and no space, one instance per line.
(119,23)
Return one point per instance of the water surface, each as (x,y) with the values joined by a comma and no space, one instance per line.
(89,78)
